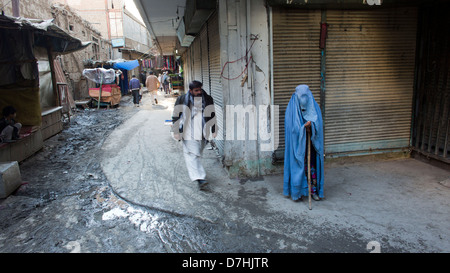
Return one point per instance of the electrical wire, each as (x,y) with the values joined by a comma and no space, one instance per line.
(254,38)
(5,5)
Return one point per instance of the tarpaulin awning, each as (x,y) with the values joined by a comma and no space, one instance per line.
(20,82)
(61,41)
(127,65)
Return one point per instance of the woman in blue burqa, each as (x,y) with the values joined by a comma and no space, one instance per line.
(302,114)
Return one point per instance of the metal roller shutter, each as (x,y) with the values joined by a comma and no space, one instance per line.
(205,58)
(187,70)
(296,58)
(431,132)
(197,59)
(370,65)
(216,84)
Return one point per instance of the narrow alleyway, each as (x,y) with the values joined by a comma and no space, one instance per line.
(66,203)
(114,181)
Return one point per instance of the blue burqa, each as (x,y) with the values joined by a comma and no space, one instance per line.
(302,108)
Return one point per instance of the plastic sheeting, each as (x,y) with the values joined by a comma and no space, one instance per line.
(16,57)
(100,75)
(62,42)
(19,38)
(127,65)
(47,94)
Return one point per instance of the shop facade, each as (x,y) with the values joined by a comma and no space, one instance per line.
(367,66)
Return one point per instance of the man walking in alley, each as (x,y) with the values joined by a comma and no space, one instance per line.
(152,83)
(166,82)
(193,119)
(135,86)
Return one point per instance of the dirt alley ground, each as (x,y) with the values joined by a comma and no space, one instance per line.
(66,204)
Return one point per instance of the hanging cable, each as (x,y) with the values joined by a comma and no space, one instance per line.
(5,5)
(254,38)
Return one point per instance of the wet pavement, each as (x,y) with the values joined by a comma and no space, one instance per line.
(115,181)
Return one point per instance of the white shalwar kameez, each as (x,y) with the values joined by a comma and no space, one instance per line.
(193,143)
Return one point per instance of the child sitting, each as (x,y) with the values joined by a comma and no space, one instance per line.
(9,129)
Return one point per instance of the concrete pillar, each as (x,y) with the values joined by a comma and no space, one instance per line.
(16,8)
(244,32)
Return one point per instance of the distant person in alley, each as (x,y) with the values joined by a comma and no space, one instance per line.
(193,121)
(166,82)
(152,83)
(303,120)
(135,86)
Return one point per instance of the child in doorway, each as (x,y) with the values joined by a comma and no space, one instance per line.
(9,129)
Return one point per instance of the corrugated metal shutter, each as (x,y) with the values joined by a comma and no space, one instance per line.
(296,58)
(370,65)
(205,58)
(431,132)
(215,70)
(197,60)
(187,68)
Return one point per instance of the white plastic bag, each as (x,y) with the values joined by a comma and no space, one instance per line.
(100,75)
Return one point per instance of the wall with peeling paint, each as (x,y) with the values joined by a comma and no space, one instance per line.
(244,32)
